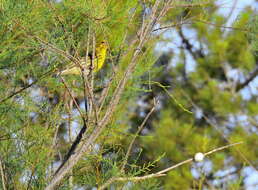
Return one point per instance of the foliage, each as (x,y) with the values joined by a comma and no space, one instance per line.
(200,89)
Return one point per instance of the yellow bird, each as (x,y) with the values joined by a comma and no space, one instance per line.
(99,59)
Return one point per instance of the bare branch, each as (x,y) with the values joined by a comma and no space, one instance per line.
(171,26)
(221,26)
(74,101)
(84,75)
(136,134)
(189,47)
(251,77)
(221,148)
(162,172)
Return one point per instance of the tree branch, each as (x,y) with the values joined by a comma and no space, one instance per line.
(50,47)
(144,32)
(28,86)
(162,172)
(3,177)
(189,47)
(136,134)
(248,80)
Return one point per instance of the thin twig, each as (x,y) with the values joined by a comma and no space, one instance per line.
(84,74)
(121,179)
(44,75)
(221,148)
(107,87)
(104,94)
(88,86)
(74,101)
(50,46)
(249,79)
(136,134)
(221,26)
(190,5)
(171,26)
(162,172)
(91,87)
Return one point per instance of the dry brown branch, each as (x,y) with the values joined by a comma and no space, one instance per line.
(162,172)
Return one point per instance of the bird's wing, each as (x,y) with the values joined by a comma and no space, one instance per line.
(73,68)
